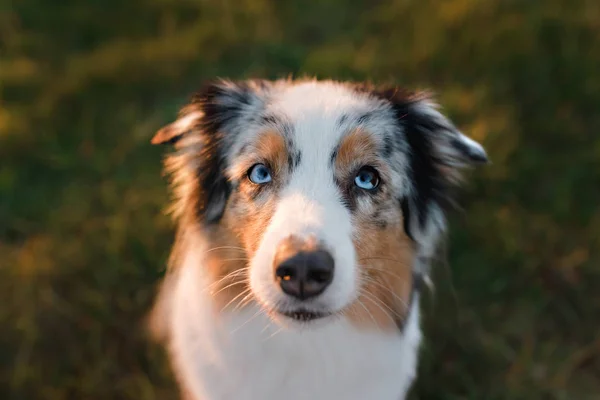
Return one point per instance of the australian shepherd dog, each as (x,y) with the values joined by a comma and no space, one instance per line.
(307,215)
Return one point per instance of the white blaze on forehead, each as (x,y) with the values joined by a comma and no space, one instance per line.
(296,100)
(315,108)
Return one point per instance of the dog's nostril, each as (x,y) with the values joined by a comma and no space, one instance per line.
(306,274)
(285,272)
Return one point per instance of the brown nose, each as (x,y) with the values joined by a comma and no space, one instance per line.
(302,268)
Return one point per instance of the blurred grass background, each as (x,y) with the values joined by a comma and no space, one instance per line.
(83,237)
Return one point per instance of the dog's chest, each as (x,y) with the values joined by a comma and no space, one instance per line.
(249,358)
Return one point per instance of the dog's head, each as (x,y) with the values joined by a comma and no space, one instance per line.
(318,197)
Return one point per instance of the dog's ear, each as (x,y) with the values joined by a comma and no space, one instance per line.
(205,133)
(437,153)
(188,120)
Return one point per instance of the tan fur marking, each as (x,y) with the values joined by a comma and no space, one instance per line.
(271,147)
(225,263)
(293,245)
(356,148)
(251,225)
(385,258)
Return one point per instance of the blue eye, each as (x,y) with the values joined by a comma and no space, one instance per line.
(367,178)
(259,174)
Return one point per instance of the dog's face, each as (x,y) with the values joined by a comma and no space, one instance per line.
(316,198)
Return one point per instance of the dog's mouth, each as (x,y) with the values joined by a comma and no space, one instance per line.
(304,315)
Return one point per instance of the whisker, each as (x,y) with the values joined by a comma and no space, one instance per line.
(275,333)
(245,301)
(235,298)
(230,275)
(397,262)
(379,305)
(267,326)
(383,259)
(367,310)
(369,280)
(256,314)
(372,268)
(225,248)
(228,286)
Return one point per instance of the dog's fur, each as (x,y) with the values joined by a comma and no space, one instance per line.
(231,332)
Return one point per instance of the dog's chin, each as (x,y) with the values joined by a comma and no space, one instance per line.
(304,315)
(301,317)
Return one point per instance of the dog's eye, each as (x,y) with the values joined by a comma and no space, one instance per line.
(367,178)
(259,174)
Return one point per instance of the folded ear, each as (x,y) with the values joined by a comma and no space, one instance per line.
(451,145)
(187,121)
(437,152)
(204,133)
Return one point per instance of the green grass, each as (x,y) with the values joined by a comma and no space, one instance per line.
(83,236)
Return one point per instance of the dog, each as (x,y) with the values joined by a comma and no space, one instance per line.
(308,213)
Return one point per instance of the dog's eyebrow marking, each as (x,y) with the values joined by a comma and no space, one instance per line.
(270,148)
(357,143)
(357,146)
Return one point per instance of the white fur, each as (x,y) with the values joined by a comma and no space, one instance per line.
(248,356)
